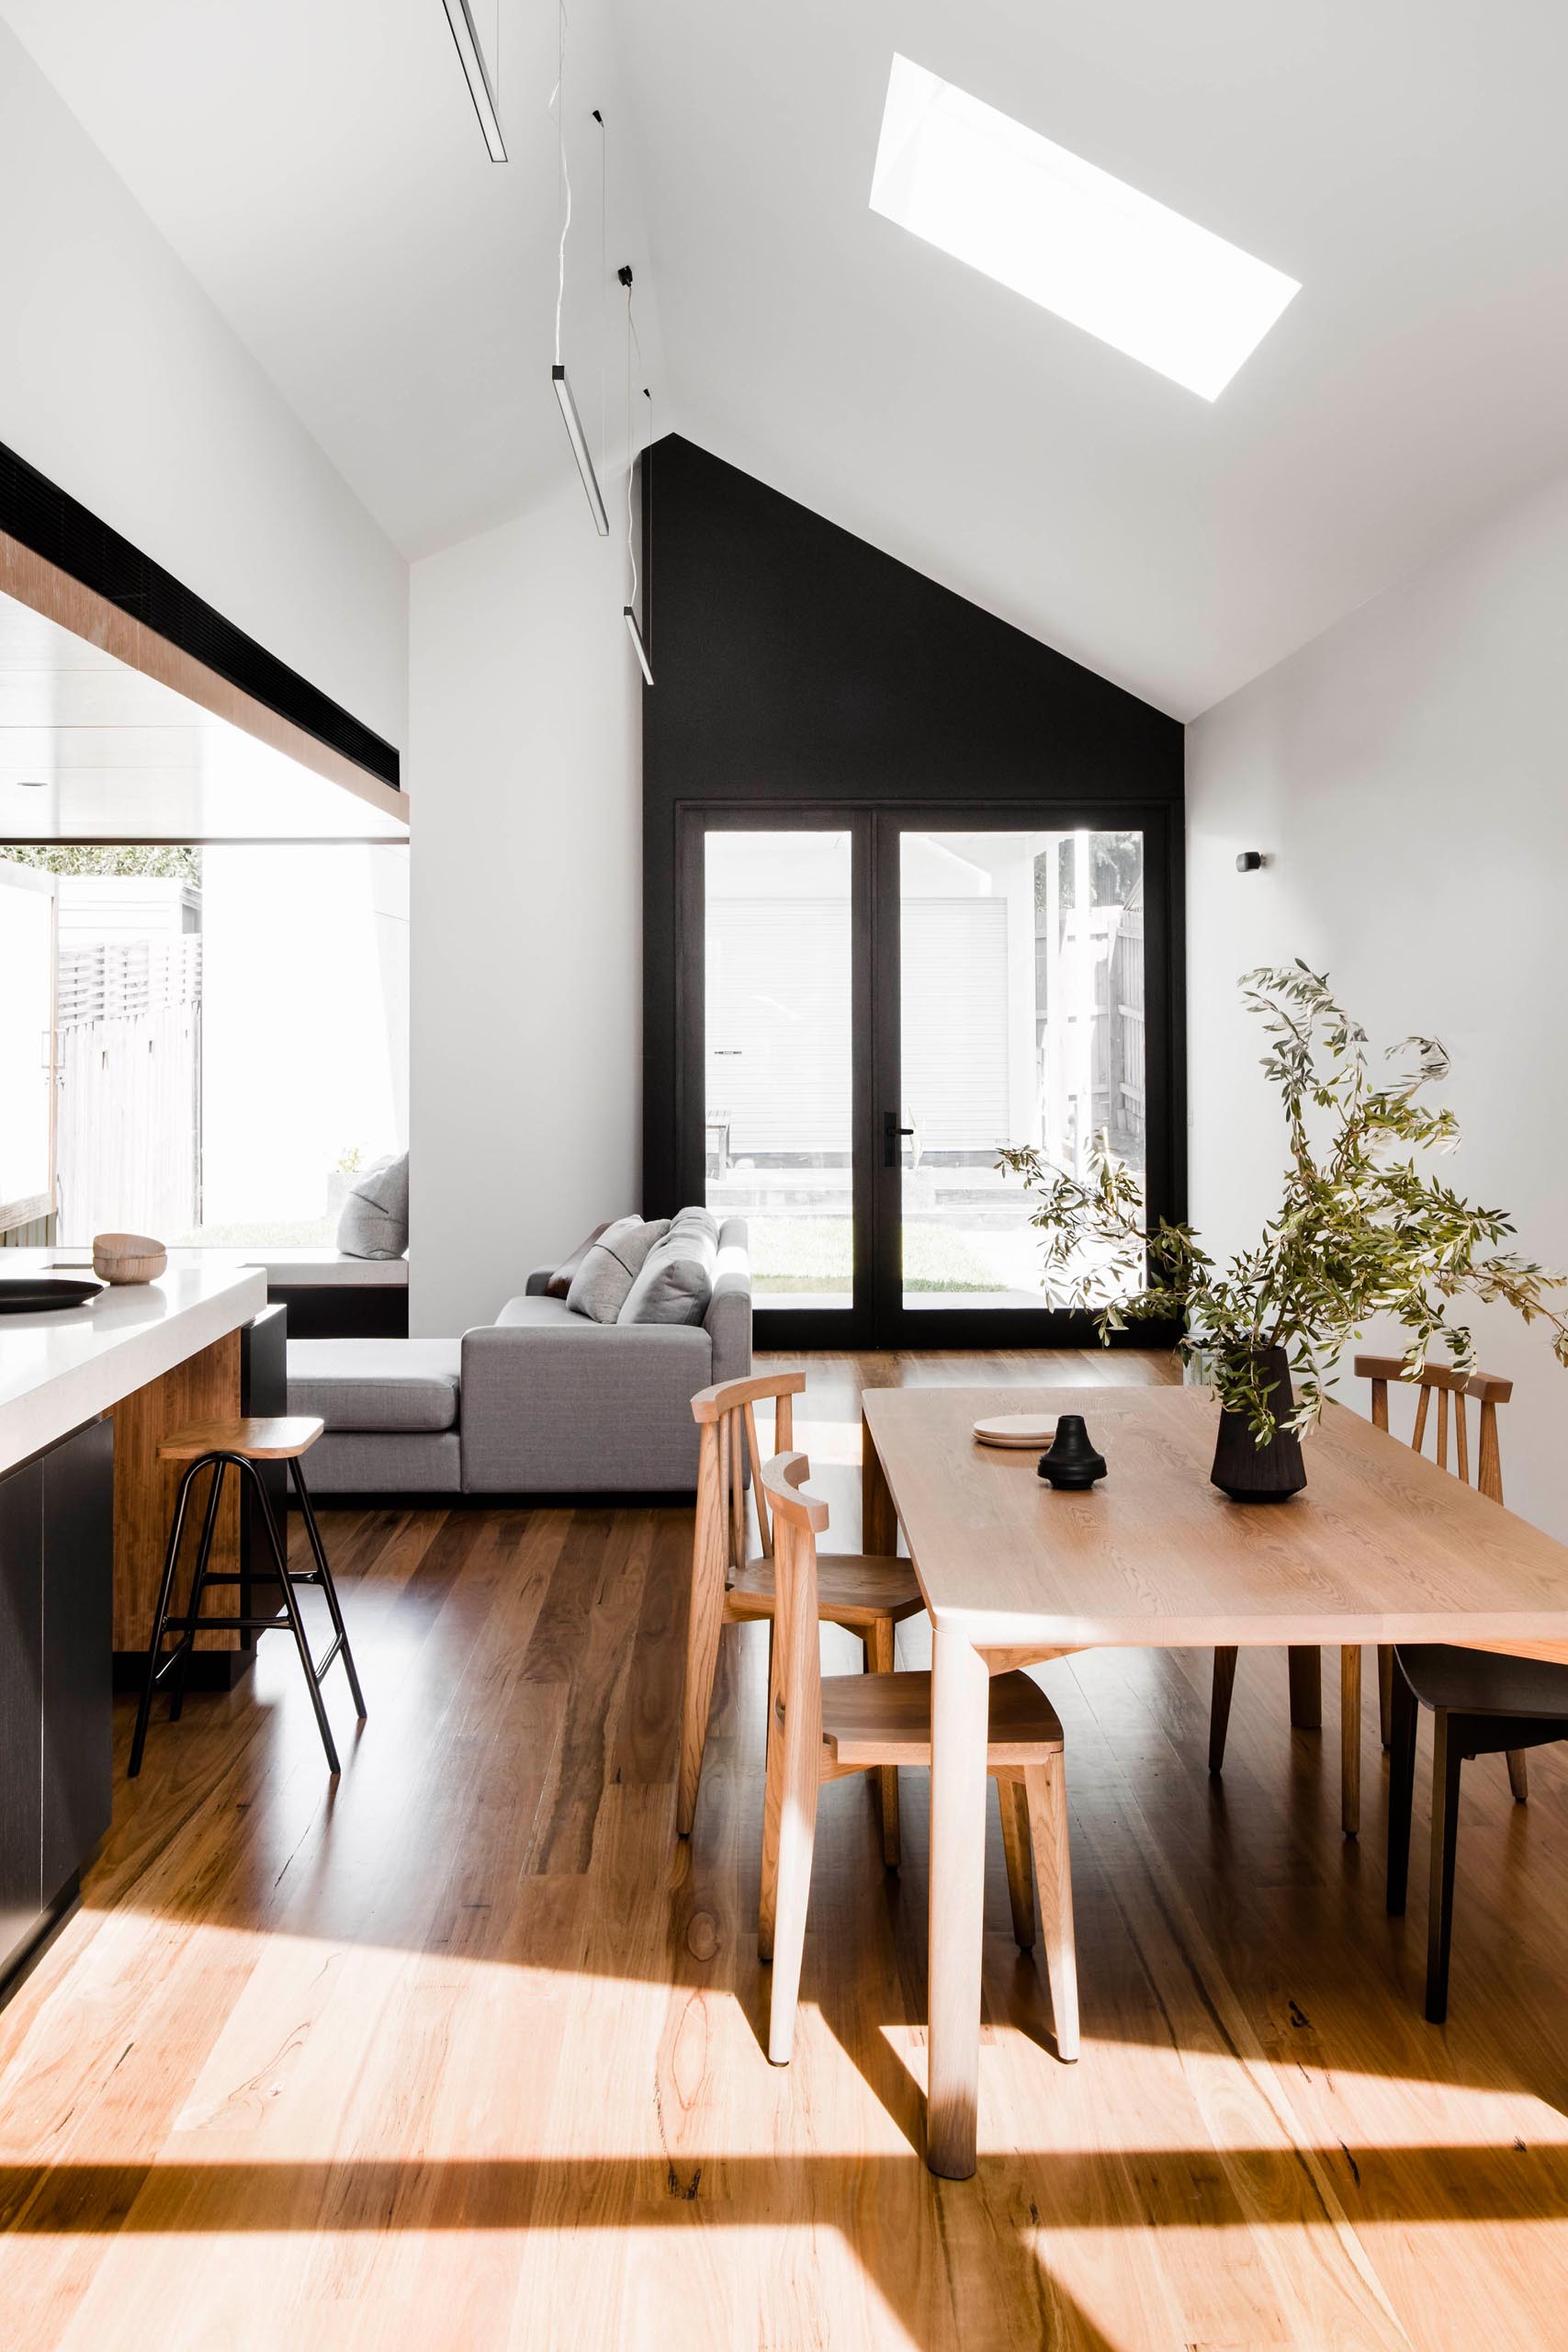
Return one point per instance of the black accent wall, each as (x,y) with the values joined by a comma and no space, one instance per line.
(795,665)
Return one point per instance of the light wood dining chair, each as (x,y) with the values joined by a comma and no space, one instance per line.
(867,1594)
(827,1729)
(1451,1389)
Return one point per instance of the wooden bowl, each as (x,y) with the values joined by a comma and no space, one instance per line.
(128,1258)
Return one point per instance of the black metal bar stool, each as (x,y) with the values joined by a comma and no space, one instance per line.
(220,1446)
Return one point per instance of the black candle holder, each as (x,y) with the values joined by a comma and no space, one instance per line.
(1071,1463)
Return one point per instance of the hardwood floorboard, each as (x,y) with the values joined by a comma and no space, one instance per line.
(470,2052)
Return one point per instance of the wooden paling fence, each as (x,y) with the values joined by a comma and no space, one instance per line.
(128,1066)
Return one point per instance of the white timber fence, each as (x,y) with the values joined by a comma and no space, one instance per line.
(129,1067)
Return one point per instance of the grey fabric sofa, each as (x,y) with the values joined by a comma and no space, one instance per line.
(541,1401)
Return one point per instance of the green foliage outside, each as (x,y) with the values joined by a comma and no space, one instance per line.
(1363,1228)
(178,865)
(1116,870)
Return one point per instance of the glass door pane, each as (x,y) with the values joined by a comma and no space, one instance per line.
(1021,1022)
(778,1012)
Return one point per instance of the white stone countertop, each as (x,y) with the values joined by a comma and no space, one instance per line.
(61,1368)
(297,1266)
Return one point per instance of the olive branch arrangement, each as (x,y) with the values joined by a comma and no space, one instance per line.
(1363,1229)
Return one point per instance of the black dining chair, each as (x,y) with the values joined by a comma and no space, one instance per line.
(1482,1704)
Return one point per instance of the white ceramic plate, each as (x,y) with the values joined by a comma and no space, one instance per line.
(1021,1429)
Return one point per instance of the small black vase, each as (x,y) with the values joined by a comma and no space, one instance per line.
(1072,1462)
(1247,1472)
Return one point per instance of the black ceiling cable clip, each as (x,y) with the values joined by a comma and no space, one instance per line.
(624,275)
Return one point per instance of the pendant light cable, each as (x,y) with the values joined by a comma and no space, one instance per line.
(604,288)
(631,453)
(558,108)
(643,646)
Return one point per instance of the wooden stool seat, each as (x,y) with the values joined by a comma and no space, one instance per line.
(854,1589)
(886,1719)
(280,1437)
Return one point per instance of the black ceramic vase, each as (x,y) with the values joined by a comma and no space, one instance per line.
(1072,1462)
(1247,1472)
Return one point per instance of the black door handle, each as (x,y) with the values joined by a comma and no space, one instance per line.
(891,1131)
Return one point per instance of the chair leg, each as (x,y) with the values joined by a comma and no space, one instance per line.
(788,1838)
(880,1659)
(1404,1715)
(160,1619)
(1385,1693)
(1305,1662)
(292,1603)
(329,1588)
(1014,1798)
(1046,1787)
(1446,1761)
(773,1806)
(1519,1774)
(1350,1740)
(705,1619)
(197,1588)
(1220,1706)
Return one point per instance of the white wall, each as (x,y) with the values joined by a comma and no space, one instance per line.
(120,381)
(525,1062)
(1405,775)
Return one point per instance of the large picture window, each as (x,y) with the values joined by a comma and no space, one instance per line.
(229,1037)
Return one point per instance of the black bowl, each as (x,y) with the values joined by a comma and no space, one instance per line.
(39,1294)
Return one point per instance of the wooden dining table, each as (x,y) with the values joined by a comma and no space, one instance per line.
(1382,1546)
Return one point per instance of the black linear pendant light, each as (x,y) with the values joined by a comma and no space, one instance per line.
(575,434)
(460,18)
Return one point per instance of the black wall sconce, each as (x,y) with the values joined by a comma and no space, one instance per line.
(1249,861)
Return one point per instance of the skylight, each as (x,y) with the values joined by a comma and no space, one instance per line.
(995,194)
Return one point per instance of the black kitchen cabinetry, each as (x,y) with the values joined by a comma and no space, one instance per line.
(56,1716)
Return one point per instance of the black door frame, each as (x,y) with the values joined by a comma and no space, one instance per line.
(877,1317)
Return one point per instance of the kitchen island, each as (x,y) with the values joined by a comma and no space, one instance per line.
(85,1394)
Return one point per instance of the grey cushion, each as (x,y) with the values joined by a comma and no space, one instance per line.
(539,1310)
(612,1265)
(676,1281)
(374,1220)
(560,1283)
(376,1384)
(412,1462)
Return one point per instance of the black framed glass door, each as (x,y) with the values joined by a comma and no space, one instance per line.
(1019,998)
(874,1003)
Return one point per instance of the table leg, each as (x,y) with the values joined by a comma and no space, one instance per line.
(960,1712)
(878,1519)
(1306,1687)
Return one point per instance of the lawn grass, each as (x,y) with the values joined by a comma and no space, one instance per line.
(817,1253)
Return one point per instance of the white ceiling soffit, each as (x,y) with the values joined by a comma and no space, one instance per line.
(320,171)
(92,749)
(318,167)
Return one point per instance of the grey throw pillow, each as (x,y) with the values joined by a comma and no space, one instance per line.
(611,1265)
(374,1219)
(676,1281)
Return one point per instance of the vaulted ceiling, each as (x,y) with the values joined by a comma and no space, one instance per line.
(319,170)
